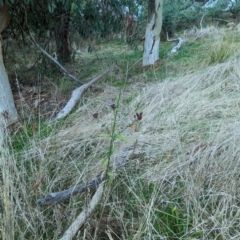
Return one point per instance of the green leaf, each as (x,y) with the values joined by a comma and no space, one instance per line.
(117,98)
(111,176)
(54,5)
(50,8)
(105,162)
(197,234)
(105,135)
(122,138)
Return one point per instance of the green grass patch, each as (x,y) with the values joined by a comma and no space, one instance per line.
(35,129)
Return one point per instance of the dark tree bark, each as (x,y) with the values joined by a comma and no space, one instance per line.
(61,36)
(151,9)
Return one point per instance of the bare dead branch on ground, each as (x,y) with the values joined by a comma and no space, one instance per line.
(32,40)
(57,197)
(177,47)
(76,94)
(80,220)
(170,40)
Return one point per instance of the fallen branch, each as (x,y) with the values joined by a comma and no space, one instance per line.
(202,21)
(57,197)
(76,94)
(177,47)
(32,40)
(54,198)
(80,220)
(96,183)
(170,40)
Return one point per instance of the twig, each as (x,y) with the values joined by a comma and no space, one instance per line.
(202,21)
(28,69)
(135,63)
(79,221)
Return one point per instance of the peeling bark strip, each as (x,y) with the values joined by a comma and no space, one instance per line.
(152,46)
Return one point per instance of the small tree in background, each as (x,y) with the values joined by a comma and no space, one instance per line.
(235,10)
(218,10)
(180,14)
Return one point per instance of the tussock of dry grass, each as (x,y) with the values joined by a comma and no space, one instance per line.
(187,145)
(207,32)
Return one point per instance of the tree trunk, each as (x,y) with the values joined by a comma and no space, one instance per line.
(153,31)
(61,37)
(8,112)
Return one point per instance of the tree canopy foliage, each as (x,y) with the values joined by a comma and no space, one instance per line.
(100,18)
(57,17)
(180,14)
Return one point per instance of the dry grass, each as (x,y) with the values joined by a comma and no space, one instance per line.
(182,169)
(207,32)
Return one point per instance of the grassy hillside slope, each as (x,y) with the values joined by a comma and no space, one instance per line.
(181,178)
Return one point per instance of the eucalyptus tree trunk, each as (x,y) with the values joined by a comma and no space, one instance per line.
(153,31)
(8,112)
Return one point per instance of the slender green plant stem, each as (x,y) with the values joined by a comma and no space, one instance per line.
(113,134)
